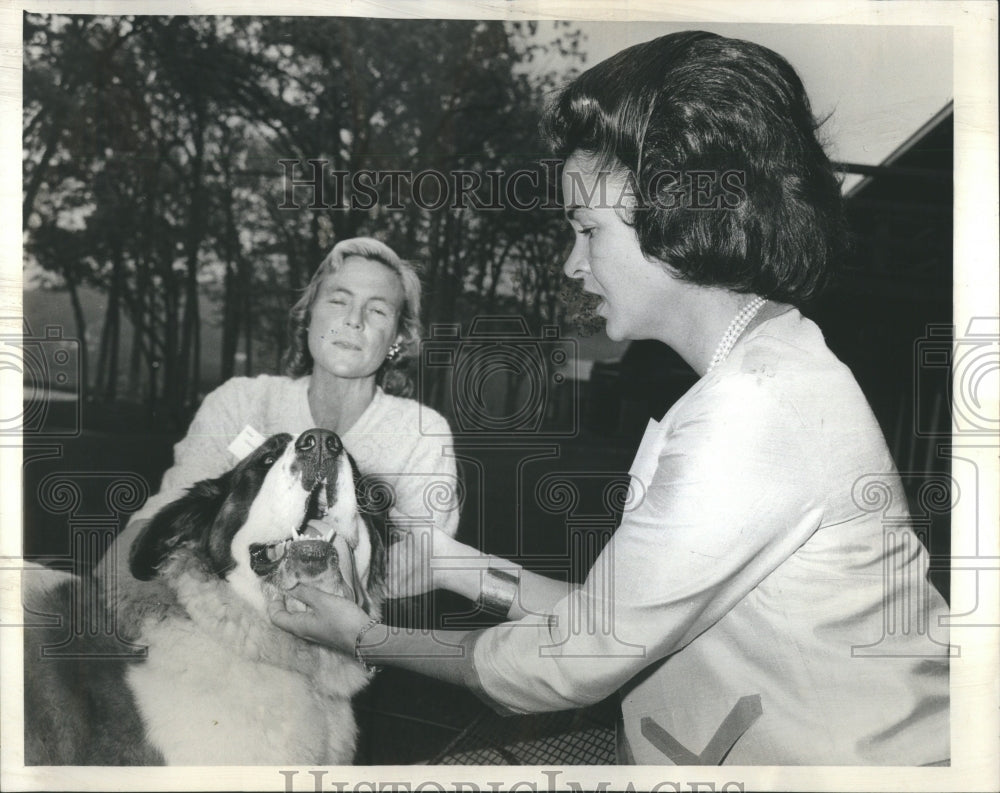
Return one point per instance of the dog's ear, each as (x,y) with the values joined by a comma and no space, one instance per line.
(375,585)
(375,497)
(184,521)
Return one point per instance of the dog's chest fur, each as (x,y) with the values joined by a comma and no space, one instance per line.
(226,684)
(220,684)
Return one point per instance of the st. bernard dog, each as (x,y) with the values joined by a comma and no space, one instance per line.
(219,684)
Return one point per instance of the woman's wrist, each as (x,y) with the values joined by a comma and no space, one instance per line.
(372,635)
(455,566)
(360,649)
(499,587)
(489,581)
(462,581)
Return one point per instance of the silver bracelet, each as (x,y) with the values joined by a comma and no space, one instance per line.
(499,589)
(371,669)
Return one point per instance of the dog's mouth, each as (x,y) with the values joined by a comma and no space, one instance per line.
(317,507)
(265,557)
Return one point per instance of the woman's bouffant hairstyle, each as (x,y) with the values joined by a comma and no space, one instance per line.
(665,113)
(391,376)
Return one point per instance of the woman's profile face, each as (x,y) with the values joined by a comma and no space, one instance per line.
(355,318)
(637,294)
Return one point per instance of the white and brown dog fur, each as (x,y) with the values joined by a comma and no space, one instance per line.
(219,684)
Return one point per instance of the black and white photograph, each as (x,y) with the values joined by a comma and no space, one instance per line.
(500,396)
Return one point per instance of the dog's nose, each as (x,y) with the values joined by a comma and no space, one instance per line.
(321,439)
(310,556)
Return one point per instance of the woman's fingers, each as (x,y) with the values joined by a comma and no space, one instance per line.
(286,620)
(307,624)
(330,620)
(312,597)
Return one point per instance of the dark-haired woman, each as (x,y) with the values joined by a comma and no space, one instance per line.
(356,321)
(741,606)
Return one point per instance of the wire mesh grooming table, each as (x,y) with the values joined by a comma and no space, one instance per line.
(572,737)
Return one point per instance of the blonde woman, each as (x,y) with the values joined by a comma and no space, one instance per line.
(356,321)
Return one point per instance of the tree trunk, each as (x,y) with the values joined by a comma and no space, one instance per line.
(195,378)
(81,331)
(232,301)
(141,320)
(107,366)
(452,248)
(135,362)
(167,371)
(248,334)
(190,337)
(38,175)
(230,328)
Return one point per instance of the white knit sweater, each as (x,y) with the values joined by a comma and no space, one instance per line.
(404,443)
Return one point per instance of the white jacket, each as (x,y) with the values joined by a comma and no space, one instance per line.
(764,600)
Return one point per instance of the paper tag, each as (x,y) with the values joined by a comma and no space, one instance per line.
(648,455)
(247,441)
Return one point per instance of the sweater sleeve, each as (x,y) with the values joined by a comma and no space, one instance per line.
(428,490)
(204,453)
(731,499)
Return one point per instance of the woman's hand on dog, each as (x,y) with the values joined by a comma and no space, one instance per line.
(330,620)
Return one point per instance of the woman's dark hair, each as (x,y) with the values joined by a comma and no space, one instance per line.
(718,144)
(391,376)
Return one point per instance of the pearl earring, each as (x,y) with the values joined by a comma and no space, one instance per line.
(393,352)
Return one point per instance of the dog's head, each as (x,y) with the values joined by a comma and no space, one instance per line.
(287,513)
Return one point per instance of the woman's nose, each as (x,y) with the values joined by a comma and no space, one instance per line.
(353,318)
(576,263)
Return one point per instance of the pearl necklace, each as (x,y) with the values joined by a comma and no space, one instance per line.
(739,324)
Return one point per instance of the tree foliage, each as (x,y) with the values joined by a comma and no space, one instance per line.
(153,151)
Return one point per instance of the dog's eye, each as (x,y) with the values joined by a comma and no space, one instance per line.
(269,460)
